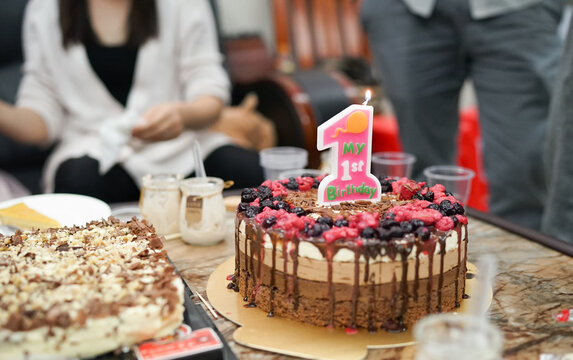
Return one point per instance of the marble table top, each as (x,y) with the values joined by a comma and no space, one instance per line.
(533,283)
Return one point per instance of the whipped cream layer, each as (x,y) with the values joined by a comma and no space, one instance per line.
(312,263)
(84,291)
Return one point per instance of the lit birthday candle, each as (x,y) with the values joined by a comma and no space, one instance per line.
(349,133)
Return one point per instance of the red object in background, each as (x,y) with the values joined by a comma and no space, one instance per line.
(385,135)
(564,316)
(386,138)
(470,155)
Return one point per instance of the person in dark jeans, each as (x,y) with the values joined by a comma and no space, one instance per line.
(557,218)
(425,50)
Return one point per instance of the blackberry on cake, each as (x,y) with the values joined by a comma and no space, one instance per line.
(378,265)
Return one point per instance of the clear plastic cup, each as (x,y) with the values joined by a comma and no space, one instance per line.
(278,159)
(457,336)
(456,179)
(159,202)
(299,172)
(392,164)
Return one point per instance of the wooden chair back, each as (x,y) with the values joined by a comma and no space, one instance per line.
(308,31)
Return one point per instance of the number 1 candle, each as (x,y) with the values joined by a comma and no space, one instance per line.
(349,134)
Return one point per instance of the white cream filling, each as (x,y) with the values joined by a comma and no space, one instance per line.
(133,325)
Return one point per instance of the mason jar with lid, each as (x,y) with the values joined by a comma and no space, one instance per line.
(159,202)
(202,211)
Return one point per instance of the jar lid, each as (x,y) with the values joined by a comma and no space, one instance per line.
(202,185)
(162,181)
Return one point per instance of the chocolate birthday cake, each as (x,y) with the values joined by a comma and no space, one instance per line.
(363,264)
(84,291)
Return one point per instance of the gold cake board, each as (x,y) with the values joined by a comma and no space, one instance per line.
(297,339)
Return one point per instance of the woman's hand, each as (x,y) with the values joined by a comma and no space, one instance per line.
(160,123)
(167,121)
(22,124)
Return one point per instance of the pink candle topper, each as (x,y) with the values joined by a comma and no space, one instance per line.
(349,133)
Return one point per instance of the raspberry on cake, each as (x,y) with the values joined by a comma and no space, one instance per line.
(84,291)
(371,265)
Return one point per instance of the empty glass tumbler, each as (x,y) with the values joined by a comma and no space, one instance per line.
(392,164)
(159,202)
(278,159)
(456,179)
(457,336)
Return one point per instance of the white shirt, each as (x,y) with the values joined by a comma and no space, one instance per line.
(183,63)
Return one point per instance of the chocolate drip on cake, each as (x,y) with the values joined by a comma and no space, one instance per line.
(457,285)
(370,251)
(371,298)
(395,323)
(442,242)
(287,287)
(251,233)
(464,263)
(330,284)
(417,270)
(274,239)
(294,254)
(237,254)
(356,286)
(321,252)
(404,253)
(430,248)
(260,251)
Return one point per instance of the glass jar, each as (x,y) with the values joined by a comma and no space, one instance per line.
(202,211)
(159,202)
(451,336)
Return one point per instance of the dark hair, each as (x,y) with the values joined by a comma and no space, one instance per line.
(76,28)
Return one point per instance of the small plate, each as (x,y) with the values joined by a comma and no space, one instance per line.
(67,209)
(126,213)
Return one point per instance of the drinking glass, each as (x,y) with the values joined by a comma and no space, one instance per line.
(452,336)
(299,172)
(456,179)
(202,211)
(278,159)
(392,164)
(159,202)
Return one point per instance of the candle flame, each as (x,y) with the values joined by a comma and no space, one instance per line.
(367,96)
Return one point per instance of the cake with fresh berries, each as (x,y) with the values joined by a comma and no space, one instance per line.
(82,291)
(356,265)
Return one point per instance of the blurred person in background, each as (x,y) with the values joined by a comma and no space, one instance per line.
(123,87)
(557,218)
(425,50)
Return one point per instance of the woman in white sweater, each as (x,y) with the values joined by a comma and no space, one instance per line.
(124,87)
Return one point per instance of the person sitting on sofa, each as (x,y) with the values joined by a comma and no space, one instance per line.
(19,163)
(124,87)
